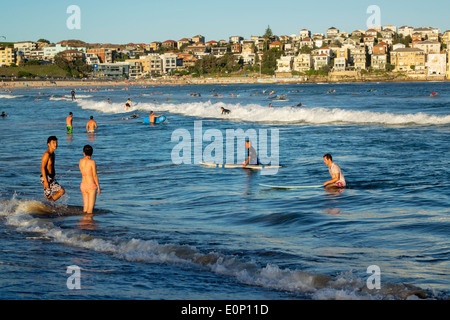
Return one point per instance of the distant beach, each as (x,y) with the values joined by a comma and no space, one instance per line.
(332,78)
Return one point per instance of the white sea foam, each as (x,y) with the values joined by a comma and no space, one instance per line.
(8,96)
(16,213)
(286,115)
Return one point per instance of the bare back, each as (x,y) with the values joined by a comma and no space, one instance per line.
(88,170)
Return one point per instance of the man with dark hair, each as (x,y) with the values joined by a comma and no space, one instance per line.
(338,180)
(91,126)
(252,156)
(69,122)
(52,190)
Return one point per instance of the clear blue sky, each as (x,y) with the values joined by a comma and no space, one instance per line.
(142,21)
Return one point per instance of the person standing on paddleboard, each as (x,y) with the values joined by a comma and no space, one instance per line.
(338,180)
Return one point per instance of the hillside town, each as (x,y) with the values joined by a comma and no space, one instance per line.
(404,50)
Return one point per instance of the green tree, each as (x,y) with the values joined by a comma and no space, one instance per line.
(268,34)
(76,67)
(269,61)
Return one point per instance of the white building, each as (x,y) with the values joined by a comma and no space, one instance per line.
(303,62)
(340,64)
(169,62)
(52,51)
(285,63)
(428,46)
(436,64)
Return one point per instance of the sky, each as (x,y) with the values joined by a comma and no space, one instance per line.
(139,21)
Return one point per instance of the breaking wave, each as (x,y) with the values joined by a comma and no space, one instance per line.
(285,115)
(8,96)
(21,215)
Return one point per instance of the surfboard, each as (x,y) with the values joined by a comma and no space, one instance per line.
(233,166)
(290,187)
(159,119)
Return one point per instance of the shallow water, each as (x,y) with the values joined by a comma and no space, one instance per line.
(170,230)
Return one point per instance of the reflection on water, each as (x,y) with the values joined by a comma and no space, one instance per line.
(87,222)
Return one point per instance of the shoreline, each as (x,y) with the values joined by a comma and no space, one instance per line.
(16,84)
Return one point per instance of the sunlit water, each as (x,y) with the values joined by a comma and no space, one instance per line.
(168,230)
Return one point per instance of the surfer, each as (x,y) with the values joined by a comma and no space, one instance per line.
(152,117)
(338,180)
(91,126)
(3,115)
(73,94)
(252,157)
(52,190)
(69,122)
(89,183)
(225,111)
(128,105)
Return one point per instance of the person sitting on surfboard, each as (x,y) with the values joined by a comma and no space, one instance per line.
(152,117)
(252,157)
(338,180)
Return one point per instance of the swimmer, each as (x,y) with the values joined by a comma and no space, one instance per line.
(89,186)
(91,126)
(52,190)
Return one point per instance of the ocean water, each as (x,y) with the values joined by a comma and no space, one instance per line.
(167,228)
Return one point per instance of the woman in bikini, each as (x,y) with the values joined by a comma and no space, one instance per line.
(89,184)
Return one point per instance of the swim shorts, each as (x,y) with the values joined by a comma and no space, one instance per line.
(69,129)
(53,186)
(340,185)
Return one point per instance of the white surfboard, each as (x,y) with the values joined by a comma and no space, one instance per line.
(232,166)
(290,187)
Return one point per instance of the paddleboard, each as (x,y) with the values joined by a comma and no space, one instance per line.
(232,166)
(290,187)
(159,119)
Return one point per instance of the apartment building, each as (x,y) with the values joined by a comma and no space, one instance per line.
(303,62)
(285,64)
(340,64)
(428,46)
(7,56)
(379,61)
(152,64)
(408,59)
(436,64)
(169,62)
(359,57)
(105,55)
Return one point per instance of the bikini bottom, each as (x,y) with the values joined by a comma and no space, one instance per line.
(87,187)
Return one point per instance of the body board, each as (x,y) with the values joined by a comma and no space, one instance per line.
(232,166)
(159,119)
(290,187)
